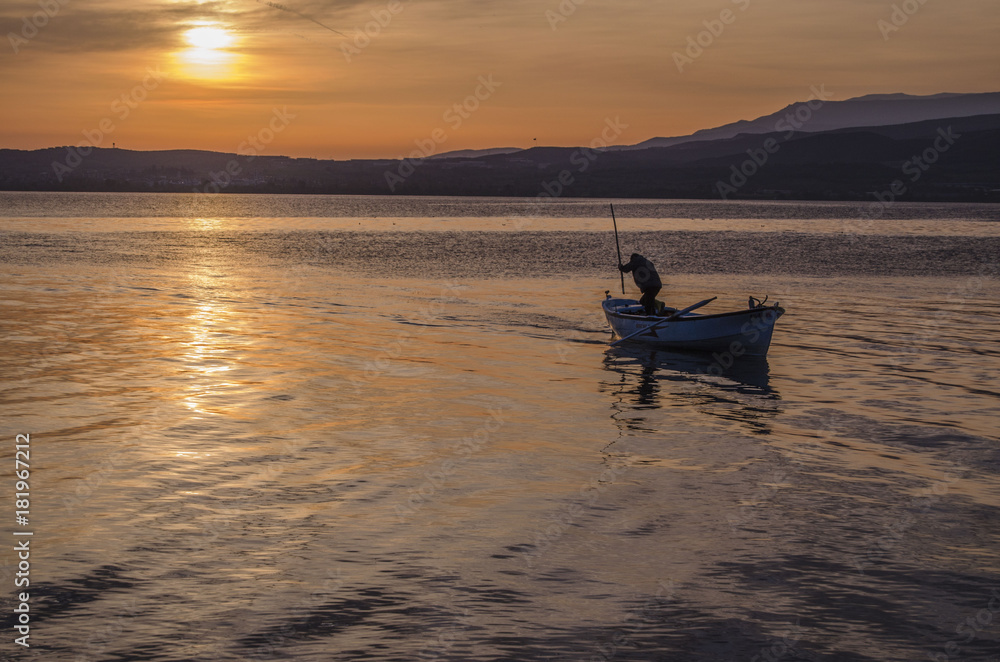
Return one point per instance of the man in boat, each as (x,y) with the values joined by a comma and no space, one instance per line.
(646,279)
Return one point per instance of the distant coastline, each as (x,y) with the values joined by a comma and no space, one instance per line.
(813,150)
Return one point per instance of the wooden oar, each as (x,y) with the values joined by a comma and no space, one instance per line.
(665,320)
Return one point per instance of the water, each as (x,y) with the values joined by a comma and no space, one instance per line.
(267,432)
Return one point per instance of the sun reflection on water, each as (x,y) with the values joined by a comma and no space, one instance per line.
(208,354)
(201,223)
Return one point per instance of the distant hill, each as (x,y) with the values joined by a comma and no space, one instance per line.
(475,153)
(940,159)
(870,110)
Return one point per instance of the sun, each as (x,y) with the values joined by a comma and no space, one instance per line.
(209,38)
(209,54)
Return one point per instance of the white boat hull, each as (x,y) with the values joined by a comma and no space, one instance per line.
(739,333)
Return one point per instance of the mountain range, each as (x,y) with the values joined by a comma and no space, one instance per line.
(870,110)
(939,147)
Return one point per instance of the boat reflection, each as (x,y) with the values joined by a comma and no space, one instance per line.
(648,379)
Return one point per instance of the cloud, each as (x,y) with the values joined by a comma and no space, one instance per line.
(93,28)
(284,8)
(609,57)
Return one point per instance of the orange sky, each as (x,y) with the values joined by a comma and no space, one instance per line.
(556,70)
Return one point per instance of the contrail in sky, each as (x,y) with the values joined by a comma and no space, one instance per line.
(298,13)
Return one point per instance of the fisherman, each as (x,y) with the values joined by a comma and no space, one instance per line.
(646,279)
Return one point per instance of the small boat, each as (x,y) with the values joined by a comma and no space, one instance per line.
(739,333)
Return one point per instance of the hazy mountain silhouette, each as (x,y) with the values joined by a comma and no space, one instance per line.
(870,110)
(476,153)
(946,159)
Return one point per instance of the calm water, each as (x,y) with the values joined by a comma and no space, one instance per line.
(279,428)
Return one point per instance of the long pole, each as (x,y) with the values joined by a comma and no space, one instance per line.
(619,247)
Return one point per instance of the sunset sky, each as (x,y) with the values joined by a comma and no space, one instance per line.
(558,70)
